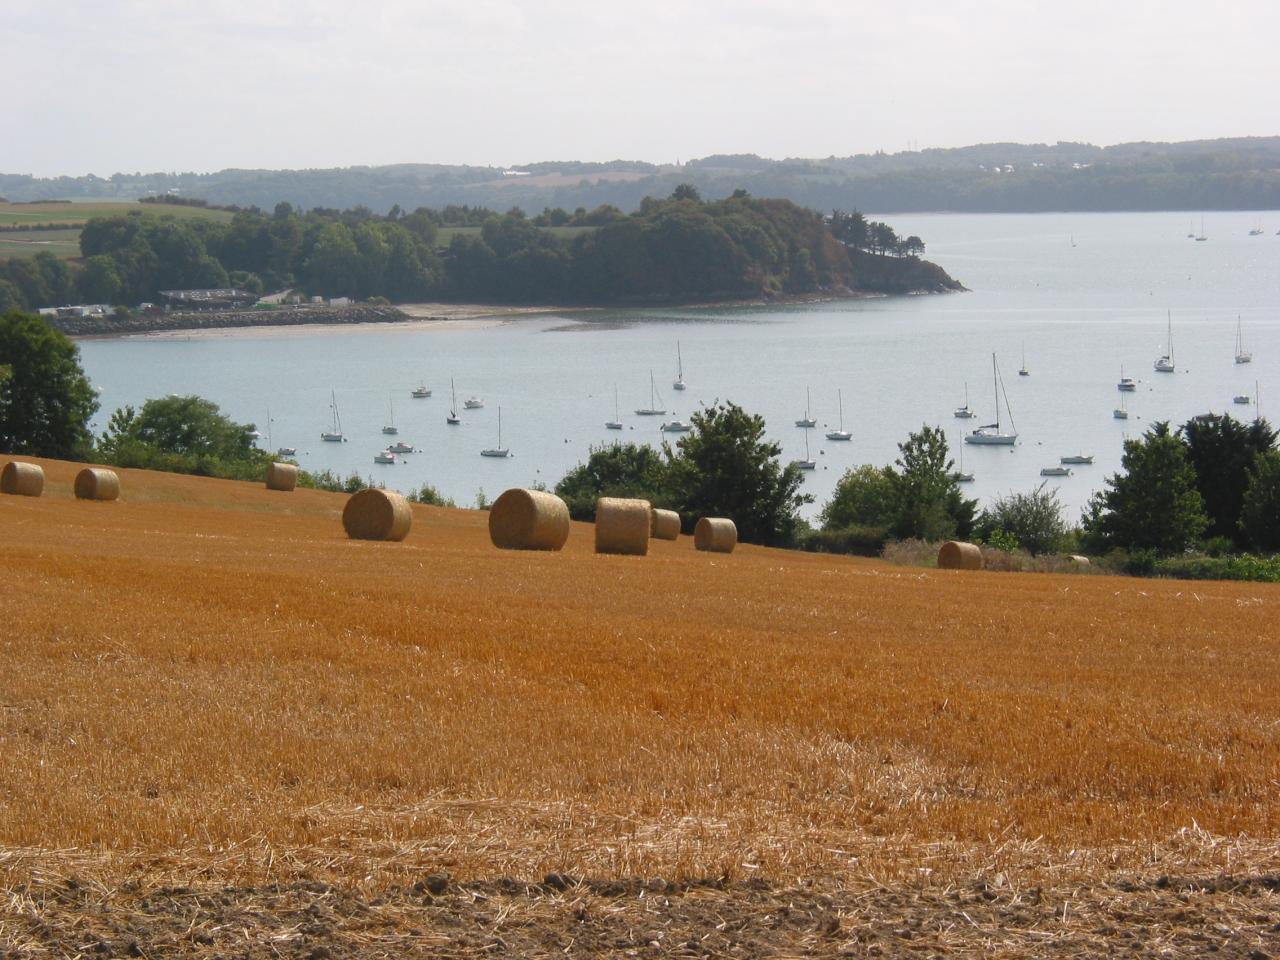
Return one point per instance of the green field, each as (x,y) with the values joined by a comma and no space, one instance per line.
(27,243)
(66,219)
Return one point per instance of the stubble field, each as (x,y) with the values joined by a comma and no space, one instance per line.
(226,729)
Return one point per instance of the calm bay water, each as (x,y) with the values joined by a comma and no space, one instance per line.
(1078,311)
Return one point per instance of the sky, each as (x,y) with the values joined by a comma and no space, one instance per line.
(200,85)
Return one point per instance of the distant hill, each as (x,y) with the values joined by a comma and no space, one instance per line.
(1229,174)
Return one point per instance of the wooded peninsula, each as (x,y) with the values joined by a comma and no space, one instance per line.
(679,250)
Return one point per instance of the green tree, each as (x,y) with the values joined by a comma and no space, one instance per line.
(1221,449)
(725,468)
(864,497)
(616,470)
(1033,519)
(1260,511)
(100,280)
(45,401)
(929,503)
(183,434)
(1153,504)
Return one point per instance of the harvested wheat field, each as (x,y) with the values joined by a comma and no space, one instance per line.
(226,729)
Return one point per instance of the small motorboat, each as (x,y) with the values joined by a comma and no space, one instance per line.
(1243,399)
(421,392)
(384,456)
(1055,472)
(400,446)
(472,403)
(674,426)
(1078,458)
(287,452)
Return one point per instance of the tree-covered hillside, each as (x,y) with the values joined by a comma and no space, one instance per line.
(677,250)
(1229,174)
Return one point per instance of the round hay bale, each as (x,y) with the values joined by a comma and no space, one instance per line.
(622,526)
(282,476)
(97,484)
(665,525)
(715,534)
(528,520)
(22,479)
(377,515)
(955,555)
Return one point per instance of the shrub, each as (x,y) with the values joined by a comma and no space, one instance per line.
(429,495)
(857,541)
(328,480)
(1032,521)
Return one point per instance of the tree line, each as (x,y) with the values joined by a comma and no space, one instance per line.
(673,250)
(1239,173)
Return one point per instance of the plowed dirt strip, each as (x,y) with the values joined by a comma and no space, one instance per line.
(207,682)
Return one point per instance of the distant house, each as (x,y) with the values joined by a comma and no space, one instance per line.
(223,298)
(339,301)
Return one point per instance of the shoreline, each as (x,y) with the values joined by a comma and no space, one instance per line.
(362,318)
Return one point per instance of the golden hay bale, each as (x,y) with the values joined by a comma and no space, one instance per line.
(97,484)
(665,525)
(282,476)
(377,515)
(528,520)
(715,534)
(955,555)
(22,479)
(622,526)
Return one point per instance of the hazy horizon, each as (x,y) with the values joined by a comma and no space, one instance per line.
(198,87)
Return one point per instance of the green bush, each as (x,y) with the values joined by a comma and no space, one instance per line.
(328,480)
(429,495)
(1241,566)
(856,541)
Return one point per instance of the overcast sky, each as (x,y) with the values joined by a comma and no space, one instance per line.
(100,86)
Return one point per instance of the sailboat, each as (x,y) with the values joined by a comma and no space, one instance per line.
(842,433)
(990,433)
(1242,355)
(1022,370)
(1126,384)
(499,450)
(390,426)
(615,423)
(807,420)
(1257,230)
(964,413)
(1191,231)
(652,410)
(1201,236)
(678,383)
(453,419)
(808,463)
(334,433)
(960,476)
(1164,364)
(1120,412)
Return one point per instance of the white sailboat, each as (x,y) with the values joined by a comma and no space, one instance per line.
(842,433)
(499,450)
(652,410)
(1022,370)
(1242,355)
(964,413)
(678,383)
(390,426)
(1126,384)
(615,423)
(453,419)
(1202,236)
(960,476)
(1121,412)
(808,463)
(807,421)
(334,433)
(1164,364)
(990,434)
